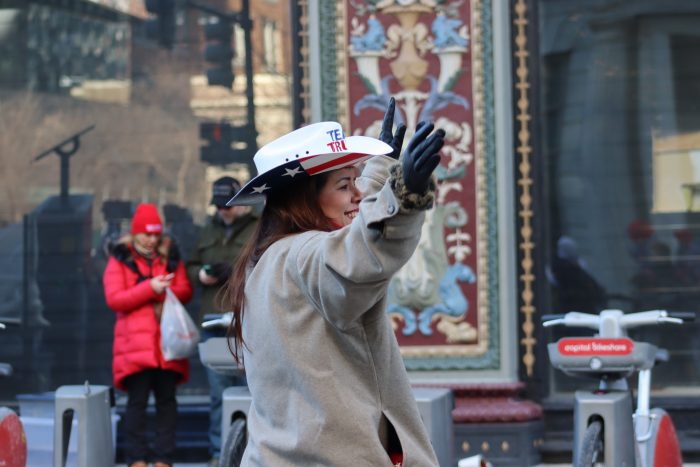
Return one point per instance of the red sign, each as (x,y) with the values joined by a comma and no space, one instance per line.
(595,346)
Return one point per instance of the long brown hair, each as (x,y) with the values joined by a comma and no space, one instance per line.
(287,212)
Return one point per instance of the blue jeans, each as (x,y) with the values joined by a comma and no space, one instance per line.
(217,383)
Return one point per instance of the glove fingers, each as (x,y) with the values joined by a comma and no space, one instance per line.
(420,136)
(398,137)
(430,164)
(428,147)
(388,122)
(432,148)
(436,143)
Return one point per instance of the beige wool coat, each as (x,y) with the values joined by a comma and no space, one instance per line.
(322,360)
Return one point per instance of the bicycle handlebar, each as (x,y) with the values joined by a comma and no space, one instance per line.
(684,315)
(222,320)
(616,319)
(574,319)
(552,317)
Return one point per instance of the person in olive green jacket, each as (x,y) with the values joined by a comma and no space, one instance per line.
(209,267)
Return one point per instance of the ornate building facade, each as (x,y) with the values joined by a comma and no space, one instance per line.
(558,119)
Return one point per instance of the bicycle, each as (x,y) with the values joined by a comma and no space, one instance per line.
(605,429)
(13,442)
(215,354)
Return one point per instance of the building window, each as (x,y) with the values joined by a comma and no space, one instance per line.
(621,144)
(270,46)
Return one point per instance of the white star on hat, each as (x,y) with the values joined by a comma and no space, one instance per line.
(292,172)
(261,188)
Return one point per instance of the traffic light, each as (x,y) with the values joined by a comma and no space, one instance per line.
(219,53)
(162,27)
(227,144)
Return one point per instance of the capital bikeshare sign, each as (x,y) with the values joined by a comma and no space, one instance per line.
(595,346)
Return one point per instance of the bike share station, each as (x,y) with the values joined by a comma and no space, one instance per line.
(605,427)
(74,426)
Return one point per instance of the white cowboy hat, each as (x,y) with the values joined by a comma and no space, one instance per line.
(311,150)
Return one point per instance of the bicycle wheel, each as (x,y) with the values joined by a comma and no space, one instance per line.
(591,450)
(232,451)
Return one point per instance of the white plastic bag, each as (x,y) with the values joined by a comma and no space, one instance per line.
(178,333)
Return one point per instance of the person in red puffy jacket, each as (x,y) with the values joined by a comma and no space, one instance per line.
(142,265)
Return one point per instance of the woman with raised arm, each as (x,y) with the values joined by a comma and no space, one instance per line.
(328,383)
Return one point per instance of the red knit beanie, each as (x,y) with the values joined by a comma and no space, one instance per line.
(146,220)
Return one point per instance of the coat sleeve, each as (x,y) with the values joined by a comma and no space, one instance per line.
(374,175)
(180,284)
(120,295)
(346,272)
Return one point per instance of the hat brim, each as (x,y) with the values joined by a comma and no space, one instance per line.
(254,192)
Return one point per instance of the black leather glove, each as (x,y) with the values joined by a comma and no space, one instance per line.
(421,157)
(393,140)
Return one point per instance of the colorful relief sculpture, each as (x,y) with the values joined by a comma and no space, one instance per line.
(418,51)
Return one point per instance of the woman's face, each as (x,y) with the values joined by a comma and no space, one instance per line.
(339,198)
(147,242)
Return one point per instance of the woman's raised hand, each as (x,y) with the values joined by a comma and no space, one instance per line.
(387,135)
(421,157)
